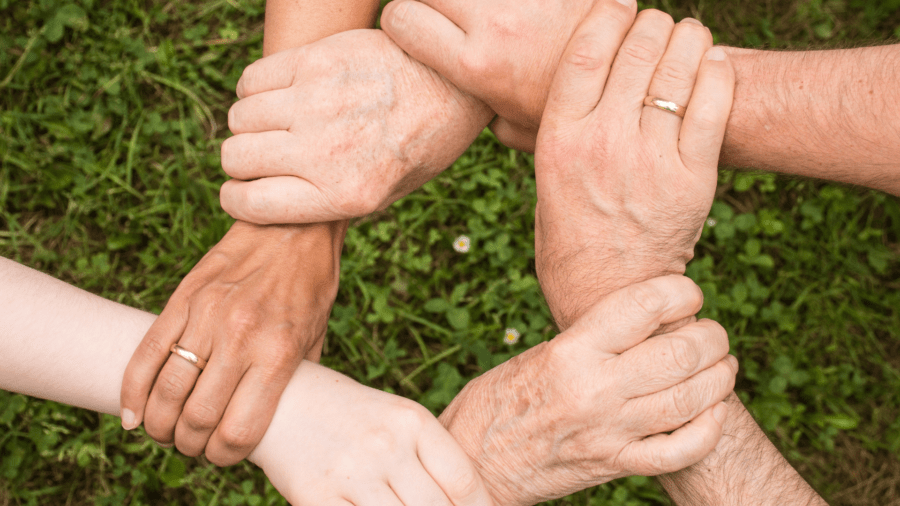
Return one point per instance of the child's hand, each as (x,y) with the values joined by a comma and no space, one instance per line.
(336,442)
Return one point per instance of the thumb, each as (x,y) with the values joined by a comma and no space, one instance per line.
(514,136)
(627,317)
(278,200)
(427,36)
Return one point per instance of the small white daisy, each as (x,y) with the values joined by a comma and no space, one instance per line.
(711,222)
(461,244)
(511,337)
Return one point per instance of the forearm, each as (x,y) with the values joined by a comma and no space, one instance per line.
(60,343)
(295,23)
(745,468)
(819,114)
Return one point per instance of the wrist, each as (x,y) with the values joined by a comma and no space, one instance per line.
(744,468)
(569,296)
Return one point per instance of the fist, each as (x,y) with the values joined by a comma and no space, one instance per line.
(339,129)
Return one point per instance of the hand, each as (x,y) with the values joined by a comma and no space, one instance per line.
(339,129)
(594,403)
(335,442)
(254,307)
(504,52)
(623,189)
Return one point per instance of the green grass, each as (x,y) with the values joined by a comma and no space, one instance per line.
(111,115)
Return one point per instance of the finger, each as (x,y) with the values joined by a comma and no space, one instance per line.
(626,317)
(415,486)
(666,453)
(675,77)
(514,136)
(265,154)
(664,361)
(279,200)
(672,327)
(274,72)
(461,13)
(584,66)
(207,403)
(171,390)
(636,61)
(148,359)
(248,414)
(262,112)
(450,468)
(429,37)
(671,408)
(703,130)
(375,495)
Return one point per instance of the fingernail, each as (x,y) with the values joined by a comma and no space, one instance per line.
(626,3)
(129,420)
(720,412)
(691,21)
(716,54)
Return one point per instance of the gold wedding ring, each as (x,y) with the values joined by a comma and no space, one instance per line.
(189,356)
(665,105)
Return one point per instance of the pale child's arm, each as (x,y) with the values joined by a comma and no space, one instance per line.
(61,343)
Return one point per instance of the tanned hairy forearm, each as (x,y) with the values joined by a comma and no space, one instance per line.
(745,468)
(818,114)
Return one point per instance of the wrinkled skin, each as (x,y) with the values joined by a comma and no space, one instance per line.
(339,129)
(620,199)
(593,404)
(254,306)
(505,52)
(624,189)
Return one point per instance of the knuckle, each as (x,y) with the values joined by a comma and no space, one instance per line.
(647,300)
(727,376)
(716,335)
(683,353)
(641,51)
(674,74)
(237,436)
(705,118)
(256,203)
(474,63)
(586,54)
(242,319)
(466,485)
(682,402)
(506,24)
(171,387)
(152,348)
(201,417)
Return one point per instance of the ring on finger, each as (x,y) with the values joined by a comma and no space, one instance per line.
(665,105)
(191,357)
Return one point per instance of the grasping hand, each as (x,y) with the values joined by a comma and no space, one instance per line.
(504,52)
(339,129)
(334,442)
(623,189)
(254,307)
(594,403)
